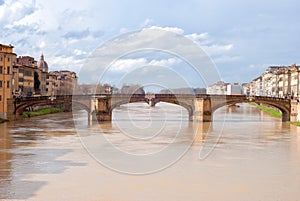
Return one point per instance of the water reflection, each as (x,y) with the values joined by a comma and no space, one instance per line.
(5,154)
(22,154)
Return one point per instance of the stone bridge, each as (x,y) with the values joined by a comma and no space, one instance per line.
(199,107)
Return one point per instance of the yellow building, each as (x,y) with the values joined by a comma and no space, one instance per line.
(23,80)
(7,58)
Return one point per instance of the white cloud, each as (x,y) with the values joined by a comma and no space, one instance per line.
(64,62)
(172,29)
(164,62)
(217,49)
(147,22)
(79,52)
(203,39)
(196,36)
(42,45)
(13,10)
(127,65)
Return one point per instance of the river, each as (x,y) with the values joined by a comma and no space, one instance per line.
(151,154)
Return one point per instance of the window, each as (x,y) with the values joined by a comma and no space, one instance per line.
(8,59)
(7,84)
(8,70)
(1,69)
(0,98)
(0,83)
(0,58)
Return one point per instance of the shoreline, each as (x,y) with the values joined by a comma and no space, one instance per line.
(272,112)
(267,109)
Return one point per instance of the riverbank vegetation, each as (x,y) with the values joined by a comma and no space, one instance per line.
(40,112)
(295,123)
(272,112)
(268,110)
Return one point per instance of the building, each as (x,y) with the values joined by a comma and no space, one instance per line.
(277,81)
(51,84)
(26,61)
(23,80)
(65,82)
(234,89)
(23,76)
(42,75)
(219,88)
(7,59)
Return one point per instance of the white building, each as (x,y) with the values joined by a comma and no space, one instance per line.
(234,89)
(218,88)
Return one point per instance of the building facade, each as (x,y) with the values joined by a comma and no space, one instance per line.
(219,88)
(23,80)
(7,59)
(234,89)
(277,81)
(23,76)
(51,84)
(61,82)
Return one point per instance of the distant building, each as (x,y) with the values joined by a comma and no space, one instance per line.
(234,89)
(219,88)
(132,89)
(7,59)
(62,82)
(85,89)
(277,81)
(200,91)
(42,73)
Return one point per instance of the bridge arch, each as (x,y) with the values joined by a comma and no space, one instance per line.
(188,107)
(80,105)
(285,109)
(20,108)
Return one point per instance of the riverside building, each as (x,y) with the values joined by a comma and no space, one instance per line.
(7,59)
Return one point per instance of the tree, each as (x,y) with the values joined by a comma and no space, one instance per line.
(37,82)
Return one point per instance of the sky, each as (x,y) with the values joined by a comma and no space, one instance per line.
(242,38)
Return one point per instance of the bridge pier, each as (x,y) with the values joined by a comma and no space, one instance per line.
(150,99)
(295,109)
(202,110)
(10,115)
(151,103)
(285,117)
(103,110)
